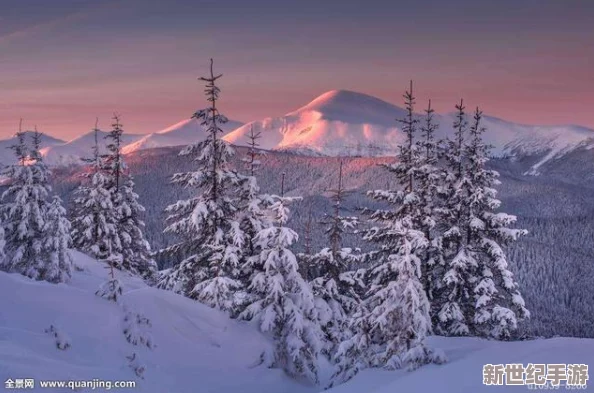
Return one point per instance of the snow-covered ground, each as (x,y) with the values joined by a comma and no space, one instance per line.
(199,349)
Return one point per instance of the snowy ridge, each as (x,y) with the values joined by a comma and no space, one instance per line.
(512,139)
(183,133)
(346,123)
(197,347)
(62,153)
(7,155)
(71,152)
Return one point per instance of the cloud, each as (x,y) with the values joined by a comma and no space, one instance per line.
(42,27)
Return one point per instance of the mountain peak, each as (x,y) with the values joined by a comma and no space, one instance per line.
(347,99)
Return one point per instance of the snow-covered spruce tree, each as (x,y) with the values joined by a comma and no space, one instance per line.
(391,327)
(252,214)
(113,165)
(283,301)
(57,242)
(24,208)
(135,251)
(454,300)
(94,218)
(307,267)
(112,288)
(430,191)
(211,238)
(498,304)
(337,287)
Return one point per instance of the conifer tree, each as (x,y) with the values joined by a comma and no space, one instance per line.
(57,242)
(136,250)
(430,190)
(393,322)
(498,304)
(336,286)
(252,215)
(24,207)
(134,254)
(454,302)
(111,289)
(94,222)
(283,303)
(211,238)
(307,266)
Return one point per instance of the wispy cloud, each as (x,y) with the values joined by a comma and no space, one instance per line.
(42,27)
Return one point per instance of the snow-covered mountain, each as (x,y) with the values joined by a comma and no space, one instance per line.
(338,122)
(58,152)
(183,133)
(197,348)
(72,151)
(7,155)
(342,122)
(517,140)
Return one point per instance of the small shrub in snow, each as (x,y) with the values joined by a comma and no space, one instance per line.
(135,365)
(110,290)
(62,341)
(135,329)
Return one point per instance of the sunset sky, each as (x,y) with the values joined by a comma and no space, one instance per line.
(65,62)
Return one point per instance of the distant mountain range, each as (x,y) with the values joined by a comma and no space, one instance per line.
(338,123)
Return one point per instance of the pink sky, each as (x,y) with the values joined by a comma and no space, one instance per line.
(64,65)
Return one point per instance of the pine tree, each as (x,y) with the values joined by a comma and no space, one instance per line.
(136,250)
(498,304)
(113,162)
(57,242)
(307,266)
(393,322)
(252,214)
(454,303)
(112,288)
(283,302)
(212,239)
(24,209)
(94,221)
(431,195)
(336,286)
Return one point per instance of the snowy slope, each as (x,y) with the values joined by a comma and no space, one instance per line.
(463,373)
(183,133)
(72,151)
(513,139)
(7,155)
(343,122)
(199,349)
